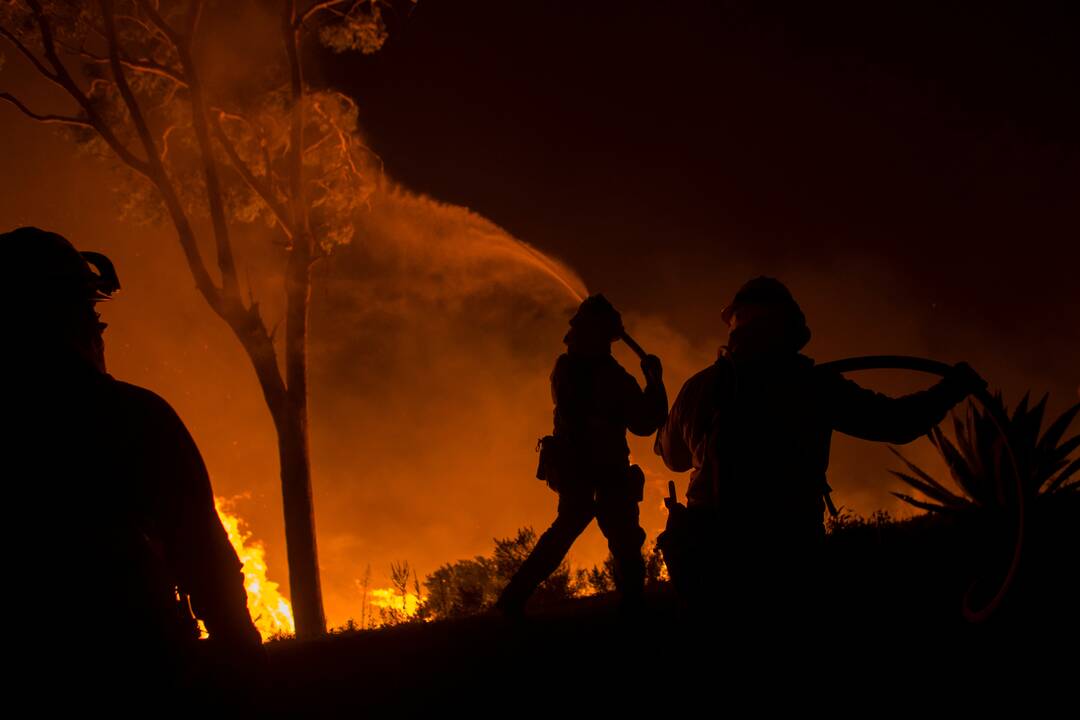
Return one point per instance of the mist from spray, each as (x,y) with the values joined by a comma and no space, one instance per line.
(432,339)
(535,258)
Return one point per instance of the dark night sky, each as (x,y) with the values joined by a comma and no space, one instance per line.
(654,145)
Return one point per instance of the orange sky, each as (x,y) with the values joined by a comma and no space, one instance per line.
(431,345)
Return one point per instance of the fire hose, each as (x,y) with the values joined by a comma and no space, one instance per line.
(633,345)
(933,367)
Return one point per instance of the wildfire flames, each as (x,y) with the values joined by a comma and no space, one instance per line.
(391,599)
(269,609)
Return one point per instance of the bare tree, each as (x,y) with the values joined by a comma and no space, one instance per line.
(399,578)
(363,585)
(209,151)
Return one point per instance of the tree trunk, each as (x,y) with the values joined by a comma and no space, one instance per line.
(304,584)
(288,408)
(295,452)
(287,401)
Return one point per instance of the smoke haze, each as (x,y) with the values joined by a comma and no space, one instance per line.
(434,332)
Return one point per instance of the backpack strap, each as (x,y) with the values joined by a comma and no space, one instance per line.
(728,392)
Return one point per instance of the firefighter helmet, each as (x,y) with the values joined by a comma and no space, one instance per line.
(45,262)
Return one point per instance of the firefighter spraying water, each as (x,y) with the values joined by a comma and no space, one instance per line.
(586,458)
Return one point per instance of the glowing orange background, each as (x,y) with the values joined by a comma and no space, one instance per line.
(431,344)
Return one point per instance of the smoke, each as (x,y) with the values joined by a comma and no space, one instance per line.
(432,338)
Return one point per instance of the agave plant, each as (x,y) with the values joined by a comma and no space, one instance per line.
(1005,468)
(999,459)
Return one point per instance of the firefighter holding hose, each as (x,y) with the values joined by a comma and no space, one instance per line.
(754,431)
(586,459)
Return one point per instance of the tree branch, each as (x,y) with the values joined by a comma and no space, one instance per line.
(343,138)
(159,22)
(38,65)
(290,36)
(156,171)
(139,65)
(214,196)
(130,101)
(262,189)
(315,10)
(147,28)
(165,140)
(318,143)
(60,76)
(48,119)
(259,345)
(194,14)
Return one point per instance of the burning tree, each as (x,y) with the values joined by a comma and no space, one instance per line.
(211,138)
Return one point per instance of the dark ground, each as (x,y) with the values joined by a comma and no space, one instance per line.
(889,631)
(585,657)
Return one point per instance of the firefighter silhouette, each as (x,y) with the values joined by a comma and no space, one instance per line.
(754,431)
(111,523)
(586,459)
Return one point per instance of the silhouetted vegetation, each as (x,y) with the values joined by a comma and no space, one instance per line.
(995,456)
(471,586)
(1016,504)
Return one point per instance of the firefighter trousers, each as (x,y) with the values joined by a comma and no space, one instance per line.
(615,507)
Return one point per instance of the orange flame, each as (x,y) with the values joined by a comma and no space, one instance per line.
(269,609)
(391,599)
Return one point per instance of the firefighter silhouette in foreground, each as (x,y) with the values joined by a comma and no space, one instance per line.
(754,430)
(586,459)
(111,517)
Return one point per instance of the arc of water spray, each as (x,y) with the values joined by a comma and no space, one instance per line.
(542,262)
(550,268)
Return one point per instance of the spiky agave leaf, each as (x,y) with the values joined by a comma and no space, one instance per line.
(1051,454)
(925,479)
(1056,431)
(976,485)
(1023,433)
(930,507)
(1064,450)
(992,449)
(934,491)
(988,433)
(1060,484)
(1002,445)
(927,485)
(965,439)
(1026,423)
